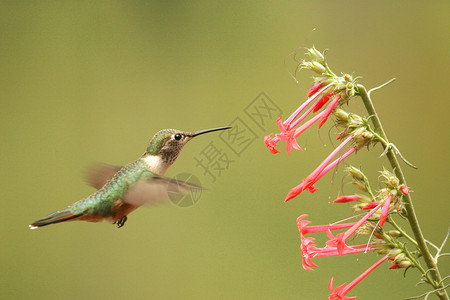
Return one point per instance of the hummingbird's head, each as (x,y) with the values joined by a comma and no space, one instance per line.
(166,145)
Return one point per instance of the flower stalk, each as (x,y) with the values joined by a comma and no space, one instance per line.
(409,207)
(326,99)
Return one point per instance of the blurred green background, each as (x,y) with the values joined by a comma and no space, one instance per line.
(85,81)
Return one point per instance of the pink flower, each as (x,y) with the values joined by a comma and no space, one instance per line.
(287,132)
(271,143)
(305,229)
(287,135)
(339,241)
(309,249)
(340,292)
(305,104)
(322,169)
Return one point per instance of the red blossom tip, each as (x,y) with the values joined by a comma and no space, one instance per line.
(328,110)
(404,189)
(371,205)
(321,102)
(344,199)
(293,193)
(314,89)
(394,266)
(385,210)
(307,184)
(270,143)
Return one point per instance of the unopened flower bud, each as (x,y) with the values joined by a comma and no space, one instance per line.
(394,233)
(344,199)
(325,80)
(348,77)
(404,263)
(404,189)
(367,135)
(383,251)
(390,180)
(318,68)
(364,198)
(356,120)
(355,173)
(359,185)
(306,65)
(316,55)
(394,252)
(371,205)
(342,115)
(399,257)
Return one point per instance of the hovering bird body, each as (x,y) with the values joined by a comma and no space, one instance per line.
(120,190)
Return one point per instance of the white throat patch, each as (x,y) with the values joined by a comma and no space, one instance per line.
(156,165)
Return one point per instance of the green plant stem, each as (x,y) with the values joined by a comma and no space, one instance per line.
(412,218)
(402,232)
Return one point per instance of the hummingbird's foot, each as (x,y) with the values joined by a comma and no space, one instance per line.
(120,222)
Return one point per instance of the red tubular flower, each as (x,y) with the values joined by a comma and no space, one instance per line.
(271,143)
(314,88)
(401,264)
(325,166)
(305,104)
(302,117)
(287,135)
(385,210)
(338,160)
(339,241)
(287,132)
(345,199)
(371,205)
(340,292)
(322,101)
(328,110)
(305,229)
(306,125)
(309,249)
(394,266)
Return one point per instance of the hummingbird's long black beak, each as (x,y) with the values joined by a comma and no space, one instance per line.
(209,130)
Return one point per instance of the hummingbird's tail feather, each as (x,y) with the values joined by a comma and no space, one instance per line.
(56,217)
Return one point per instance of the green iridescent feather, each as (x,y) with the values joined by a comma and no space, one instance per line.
(101,202)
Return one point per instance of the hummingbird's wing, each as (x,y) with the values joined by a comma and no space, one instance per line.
(154,190)
(98,174)
(158,189)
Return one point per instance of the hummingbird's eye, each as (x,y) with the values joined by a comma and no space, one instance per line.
(177,136)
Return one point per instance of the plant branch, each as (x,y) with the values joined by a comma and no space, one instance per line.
(412,218)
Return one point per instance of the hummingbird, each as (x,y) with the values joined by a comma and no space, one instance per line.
(121,190)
